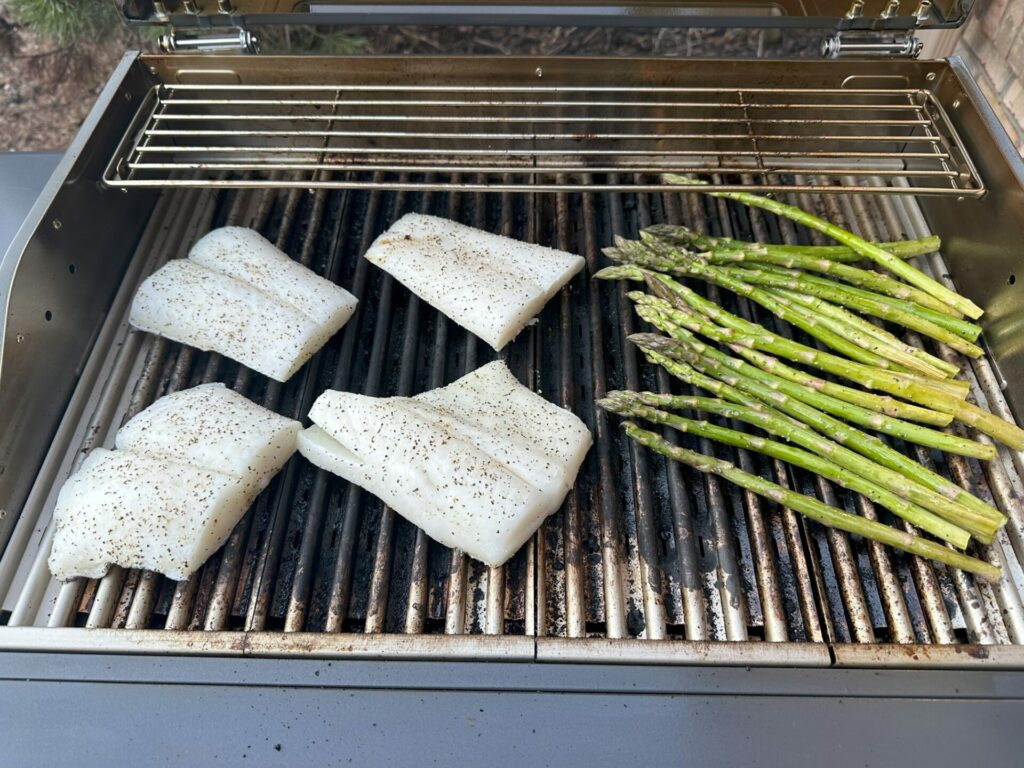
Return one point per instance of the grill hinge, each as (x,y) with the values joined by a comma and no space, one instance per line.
(202,38)
(221,40)
(843,44)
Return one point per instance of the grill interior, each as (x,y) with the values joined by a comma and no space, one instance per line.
(543,137)
(640,549)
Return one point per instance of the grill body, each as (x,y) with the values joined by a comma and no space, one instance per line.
(646,562)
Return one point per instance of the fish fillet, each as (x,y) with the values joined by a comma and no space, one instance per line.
(477,465)
(185,471)
(488,284)
(241,297)
(140,512)
(249,257)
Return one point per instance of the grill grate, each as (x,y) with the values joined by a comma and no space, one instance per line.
(550,138)
(641,549)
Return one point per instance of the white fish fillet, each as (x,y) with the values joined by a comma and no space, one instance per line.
(477,465)
(141,512)
(186,470)
(488,284)
(248,256)
(243,298)
(212,427)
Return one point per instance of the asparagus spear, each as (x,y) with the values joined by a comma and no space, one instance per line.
(866,249)
(949,330)
(736,330)
(833,333)
(951,498)
(647,405)
(890,406)
(962,328)
(904,249)
(915,485)
(839,314)
(813,508)
(767,255)
(875,305)
(854,413)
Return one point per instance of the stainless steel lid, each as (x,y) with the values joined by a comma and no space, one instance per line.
(822,14)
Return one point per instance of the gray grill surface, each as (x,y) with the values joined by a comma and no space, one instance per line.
(640,549)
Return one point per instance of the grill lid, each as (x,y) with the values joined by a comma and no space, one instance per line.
(874,15)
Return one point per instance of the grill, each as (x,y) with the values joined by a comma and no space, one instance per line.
(647,562)
(517,137)
(640,553)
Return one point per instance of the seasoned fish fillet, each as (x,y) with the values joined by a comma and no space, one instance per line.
(141,512)
(477,465)
(212,427)
(185,471)
(241,297)
(488,284)
(248,256)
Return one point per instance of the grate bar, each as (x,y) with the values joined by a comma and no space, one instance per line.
(398,130)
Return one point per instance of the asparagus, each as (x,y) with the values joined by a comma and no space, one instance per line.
(881,403)
(916,486)
(840,314)
(874,304)
(647,405)
(813,508)
(854,275)
(834,333)
(854,413)
(866,249)
(652,310)
(956,333)
(736,330)
(903,249)
(952,500)
(962,328)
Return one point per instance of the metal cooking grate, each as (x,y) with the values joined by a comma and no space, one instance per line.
(641,549)
(514,138)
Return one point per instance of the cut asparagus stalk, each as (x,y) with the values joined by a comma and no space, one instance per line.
(647,406)
(866,249)
(813,508)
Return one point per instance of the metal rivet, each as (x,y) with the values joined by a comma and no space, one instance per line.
(127,96)
(56,224)
(19,337)
(930,76)
(956,103)
(539,72)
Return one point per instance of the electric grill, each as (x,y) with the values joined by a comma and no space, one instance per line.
(647,562)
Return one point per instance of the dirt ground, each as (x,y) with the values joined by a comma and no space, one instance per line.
(46,92)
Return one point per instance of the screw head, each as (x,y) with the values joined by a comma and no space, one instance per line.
(56,224)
